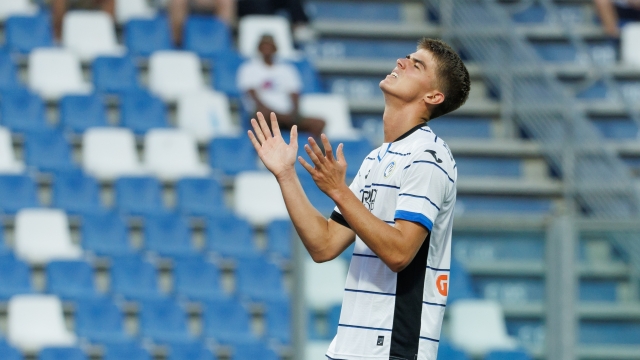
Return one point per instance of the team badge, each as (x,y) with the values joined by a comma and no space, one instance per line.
(389,169)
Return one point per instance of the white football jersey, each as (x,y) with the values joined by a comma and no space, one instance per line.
(398,316)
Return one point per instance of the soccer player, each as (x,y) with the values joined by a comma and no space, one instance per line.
(398,209)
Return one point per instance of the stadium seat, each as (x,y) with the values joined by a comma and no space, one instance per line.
(146,36)
(508,355)
(17,192)
(140,111)
(16,7)
(201,196)
(8,73)
(460,284)
(8,162)
(225,72)
(115,74)
(99,320)
(133,278)
(197,279)
(55,72)
(324,283)
(477,326)
(25,33)
(43,235)
(37,321)
(75,192)
(105,234)
(15,277)
(125,350)
(232,155)
(133,9)
(259,280)
(174,73)
(108,153)
(168,235)
(249,350)
(448,352)
(138,195)
(90,34)
(258,198)
(230,236)
(629,52)
(226,321)
(163,320)
(280,238)
(62,353)
(252,27)
(71,280)
(189,351)
(171,154)
(81,112)
(309,75)
(334,110)
(22,111)
(206,35)
(205,114)
(47,150)
(279,322)
(8,352)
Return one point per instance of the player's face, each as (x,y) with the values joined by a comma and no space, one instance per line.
(413,77)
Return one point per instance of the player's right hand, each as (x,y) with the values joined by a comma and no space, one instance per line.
(278,156)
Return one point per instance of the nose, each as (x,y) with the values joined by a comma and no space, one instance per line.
(401,63)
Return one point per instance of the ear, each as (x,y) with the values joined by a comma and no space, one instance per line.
(434,97)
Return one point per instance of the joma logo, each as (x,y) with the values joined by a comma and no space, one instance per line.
(369,198)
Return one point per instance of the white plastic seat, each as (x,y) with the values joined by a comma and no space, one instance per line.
(8,162)
(16,7)
(43,235)
(630,44)
(478,326)
(171,154)
(90,34)
(37,321)
(109,153)
(174,73)
(205,114)
(324,283)
(258,198)
(252,27)
(314,350)
(334,110)
(55,72)
(130,9)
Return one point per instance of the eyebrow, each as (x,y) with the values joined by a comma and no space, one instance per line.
(412,58)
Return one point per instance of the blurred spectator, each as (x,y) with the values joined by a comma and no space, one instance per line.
(294,8)
(225,10)
(611,12)
(60,7)
(271,85)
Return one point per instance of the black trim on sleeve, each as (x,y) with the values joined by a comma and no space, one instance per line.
(337,217)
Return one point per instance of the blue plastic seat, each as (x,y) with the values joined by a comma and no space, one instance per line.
(138,195)
(71,280)
(15,277)
(144,36)
(230,236)
(556,51)
(200,197)
(99,320)
(134,278)
(8,73)
(355,151)
(280,238)
(226,321)
(333,319)
(62,353)
(232,155)
(247,350)
(225,73)
(22,111)
(167,234)
(460,285)
(140,111)
(206,36)
(189,351)
(17,192)
(598,90)
(278,321)
(47,150)
(75,192)
(163,320)
(105,234)
(259,280)
(448,352)
(507,355)
(127,350)
(8,352)
(531,15)
(4,250)
(25,33)
(309,75)
(115,74)
(196,279)
(617,128)
(80,112)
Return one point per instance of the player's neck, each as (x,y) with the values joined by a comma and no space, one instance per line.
(398,118)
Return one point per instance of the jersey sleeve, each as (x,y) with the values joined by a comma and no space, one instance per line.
(424,185)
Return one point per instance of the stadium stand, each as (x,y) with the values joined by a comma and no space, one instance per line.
(205,114)
(99,320)
(174,73)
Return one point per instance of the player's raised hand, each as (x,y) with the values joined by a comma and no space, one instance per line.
(330,171)
(278,156)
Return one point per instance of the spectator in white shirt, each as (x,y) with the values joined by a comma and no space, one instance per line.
(614,12)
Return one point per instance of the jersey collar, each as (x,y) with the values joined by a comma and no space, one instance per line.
(411,131)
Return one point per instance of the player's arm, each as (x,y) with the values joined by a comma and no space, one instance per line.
(324,239)
(395,245)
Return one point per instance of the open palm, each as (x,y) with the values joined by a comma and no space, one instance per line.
(275,153)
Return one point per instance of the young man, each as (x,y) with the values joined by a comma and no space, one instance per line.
(399,210)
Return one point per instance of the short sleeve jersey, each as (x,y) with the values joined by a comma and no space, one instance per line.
(398,316)
(273,84)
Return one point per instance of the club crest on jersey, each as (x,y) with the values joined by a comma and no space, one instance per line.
(389,169)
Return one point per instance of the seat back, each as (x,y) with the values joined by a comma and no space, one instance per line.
(130,274)
(162,315)
(55,72)
(324,283)
(8,352)
(259,280)
(138,195)
(146,36)
(43,235)
(17,192)
(232,155)
(199,196)
(227,321)
(258,198)
(195,273)
(206,35)
(230,236)
(174,73)
(62,353)
(105,234)
(280,238)
(48,150)
(98,315)
(507,355)
(630,53)
(81,112)
(15,277)
(108,153)
(252,27)
(189,351)
(126,350)
(478,326)
(133,9)
(70,279)
(25,33)
(75,192)
(89,34)
(8,162)
(115,74)
(167,234)
(205,114)
(8,73)
(22,111)
(225,72)
(334,110)
(141,111)
(171,154)
(254,350)
(16,7)
(278,321)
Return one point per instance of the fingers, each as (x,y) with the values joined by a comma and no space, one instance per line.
(314,158)
(264,126)
(294,136)
(327,147)
(274,125)
(254,141)
(316,150)
(258,131)
(306,165)
(340,153)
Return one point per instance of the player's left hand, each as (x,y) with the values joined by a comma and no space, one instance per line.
(329,172)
